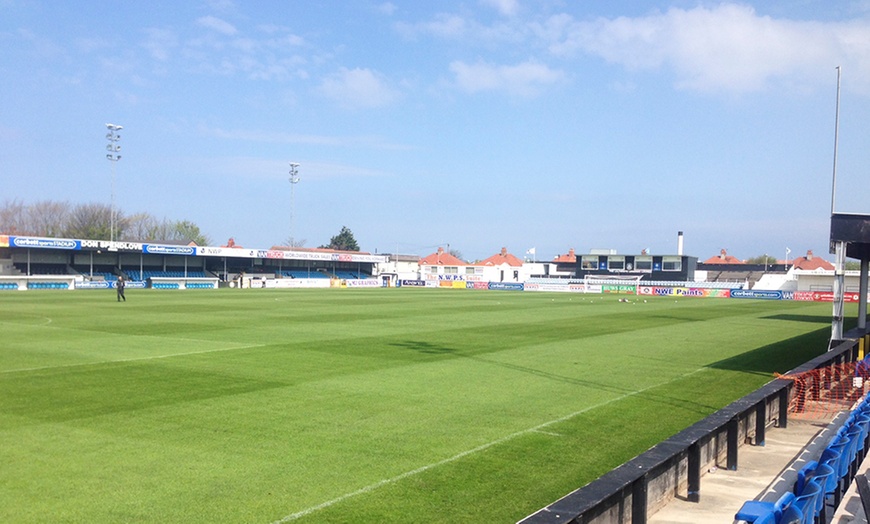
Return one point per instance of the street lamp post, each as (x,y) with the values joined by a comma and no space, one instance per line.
(113,156)
(294,179)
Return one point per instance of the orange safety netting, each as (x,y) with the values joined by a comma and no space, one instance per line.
(821,393)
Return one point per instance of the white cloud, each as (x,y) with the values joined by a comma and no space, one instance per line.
(216,24)
(505,7)
(358,88)
(525,79)
(726,48)
(447,26)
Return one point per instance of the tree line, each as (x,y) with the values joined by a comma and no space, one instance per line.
(49,218)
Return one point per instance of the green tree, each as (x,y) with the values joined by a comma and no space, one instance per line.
(187,230)
(343,241)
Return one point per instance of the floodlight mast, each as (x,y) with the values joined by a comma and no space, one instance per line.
(838,247)
(113,156)
(294,179)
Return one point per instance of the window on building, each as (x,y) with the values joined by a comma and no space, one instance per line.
(672,263)
(589,262)
(643,263)
(469,270)
(451,270)
(615,263)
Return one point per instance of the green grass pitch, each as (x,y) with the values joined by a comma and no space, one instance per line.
(388,405)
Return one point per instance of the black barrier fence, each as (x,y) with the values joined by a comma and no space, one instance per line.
(650,480)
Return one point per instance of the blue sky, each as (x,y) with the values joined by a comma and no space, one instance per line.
(475,124)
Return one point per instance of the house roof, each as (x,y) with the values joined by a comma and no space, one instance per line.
(503,257)
(570,258)
(810,263)
(723,258)
(316,250)
(441,258)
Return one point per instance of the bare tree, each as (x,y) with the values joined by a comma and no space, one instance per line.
(13,218)
(48,218)
(141,227)
(93,221)
(295,242)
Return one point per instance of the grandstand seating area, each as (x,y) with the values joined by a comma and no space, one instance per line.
(136,275)
(8,285)
(821,483)
(302,273)
(726,277)
(42,269)
(347,275)
(105,275)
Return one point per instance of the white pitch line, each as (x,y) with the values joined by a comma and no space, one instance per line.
(483,447)
(135,359)
(24,324)
(551,433)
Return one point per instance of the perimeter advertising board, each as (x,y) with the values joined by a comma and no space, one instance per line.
(824,296)
(619,289)
(661,291)
(774,294)
(506,286)
(555,288)
(363,282)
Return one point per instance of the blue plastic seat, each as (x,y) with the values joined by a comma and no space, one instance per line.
(825,476)
(791,515)
(808,501)
(753,510)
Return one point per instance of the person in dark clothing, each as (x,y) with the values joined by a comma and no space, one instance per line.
(120,287)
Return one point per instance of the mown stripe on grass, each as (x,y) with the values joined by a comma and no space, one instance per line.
(133,359)
(536,429)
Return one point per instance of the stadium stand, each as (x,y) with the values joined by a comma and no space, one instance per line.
(821,483)
(302,273)
(135,274)
(43,269)
(97,272)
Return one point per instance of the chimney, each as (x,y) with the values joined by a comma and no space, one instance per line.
(810,254)
(680,243)
(571,252)
(504,251)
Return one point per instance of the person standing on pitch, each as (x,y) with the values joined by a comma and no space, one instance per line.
(120,286)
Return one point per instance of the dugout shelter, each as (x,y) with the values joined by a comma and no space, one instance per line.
(850,237)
